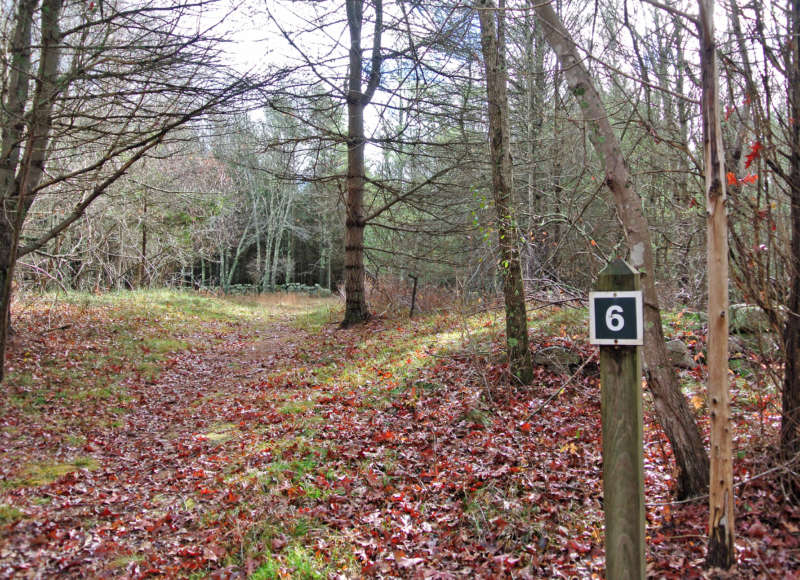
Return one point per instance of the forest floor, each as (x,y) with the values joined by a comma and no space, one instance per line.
(163,434)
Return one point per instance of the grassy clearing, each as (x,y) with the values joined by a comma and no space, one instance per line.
(108,340)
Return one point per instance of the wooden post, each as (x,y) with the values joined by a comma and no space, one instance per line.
(413,296)
(623,467)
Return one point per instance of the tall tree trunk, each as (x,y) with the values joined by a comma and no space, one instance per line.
(720,517)
(790,417)
(354,281)
(673,411)
(551,254)
(143,256)
(493,45)
(21,171)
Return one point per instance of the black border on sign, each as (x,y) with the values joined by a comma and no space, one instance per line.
(639,340)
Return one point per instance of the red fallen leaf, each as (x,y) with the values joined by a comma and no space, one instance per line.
(579,547)
(190,552)
(295,491)
(231,497)
(206,491)
(525,427)
(757,530)
(279,543)
(500,523)
(214,552)
(384,436)
(406,562)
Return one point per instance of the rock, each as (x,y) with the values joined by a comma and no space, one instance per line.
(736,346)
(556,358)
(679,354)
(748,319)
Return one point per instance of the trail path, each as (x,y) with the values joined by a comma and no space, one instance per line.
(168,458)
(386,450)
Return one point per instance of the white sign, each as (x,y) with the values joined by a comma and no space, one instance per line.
(616,318)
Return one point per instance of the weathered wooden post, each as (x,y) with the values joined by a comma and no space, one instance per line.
(413,296)
(616,325)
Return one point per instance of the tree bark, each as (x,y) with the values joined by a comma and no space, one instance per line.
(790,417)
(356,309)
(721,551)
(493,46)
(673,411)
(22,170)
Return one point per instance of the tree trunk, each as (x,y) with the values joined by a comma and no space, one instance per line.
(7,252)
(720,517)
(143,257)
(356,310)
(493,45)
(21,171)
(790,417)
(673,411)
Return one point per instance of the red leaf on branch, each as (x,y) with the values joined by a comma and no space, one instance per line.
(750,179)
(731,176)
(755,148)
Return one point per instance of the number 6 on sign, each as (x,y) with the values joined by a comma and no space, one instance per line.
(616,318)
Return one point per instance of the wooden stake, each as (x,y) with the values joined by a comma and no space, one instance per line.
(623,466)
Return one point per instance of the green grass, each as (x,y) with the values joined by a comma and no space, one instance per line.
(267,571)
(302,564)
(123,561)
(295,469)
(682,321)
(296,407)
(560,321)
(44,473)
(9,514)
(320,315)
(221,432)
(306,566)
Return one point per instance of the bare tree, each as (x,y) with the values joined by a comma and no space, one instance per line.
(493,46)
(358,97)
(721,520)
(790,423)
(673,411)
(112,81)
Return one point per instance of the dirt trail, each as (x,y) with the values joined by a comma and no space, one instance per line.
(138,508)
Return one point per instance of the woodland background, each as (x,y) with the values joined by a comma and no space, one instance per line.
(341,148)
